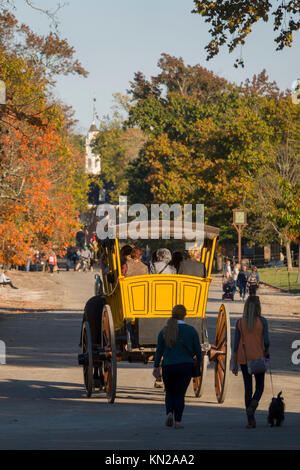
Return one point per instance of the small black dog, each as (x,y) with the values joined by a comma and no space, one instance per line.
(276,411)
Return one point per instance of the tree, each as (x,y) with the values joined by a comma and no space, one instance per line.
(42,178)
(218,150)
(231,22)
(175,76)
(276,190)
(51,14)
(117,147)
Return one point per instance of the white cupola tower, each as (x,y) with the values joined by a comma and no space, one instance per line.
(92,161)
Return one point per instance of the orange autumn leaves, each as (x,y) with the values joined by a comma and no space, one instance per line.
(36,208)
(42,181)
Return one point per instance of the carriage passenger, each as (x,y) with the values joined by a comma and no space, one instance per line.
(177,257)
(192,266)
(125,253)
(162,265)
(135,266)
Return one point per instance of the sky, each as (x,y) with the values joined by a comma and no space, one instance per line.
(115,39)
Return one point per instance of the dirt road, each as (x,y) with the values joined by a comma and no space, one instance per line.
(43,403)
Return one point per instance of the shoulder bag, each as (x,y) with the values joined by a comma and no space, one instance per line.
(162,270)
(196,364)
(255,366)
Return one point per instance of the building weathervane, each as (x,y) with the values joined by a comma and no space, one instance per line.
(95,114)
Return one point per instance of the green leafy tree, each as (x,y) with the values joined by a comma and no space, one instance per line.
(200,149)
(117,147)
(276,191)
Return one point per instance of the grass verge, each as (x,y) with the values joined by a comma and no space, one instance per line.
(281,278)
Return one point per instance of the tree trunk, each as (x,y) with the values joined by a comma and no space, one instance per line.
(288,254)
(298,278)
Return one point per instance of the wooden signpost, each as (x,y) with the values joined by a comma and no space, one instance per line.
(239,222)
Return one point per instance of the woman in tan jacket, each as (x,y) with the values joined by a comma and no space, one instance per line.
(252,330)
(135,266)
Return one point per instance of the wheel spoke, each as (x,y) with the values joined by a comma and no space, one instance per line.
(108,341)
(87,368)
(221,337)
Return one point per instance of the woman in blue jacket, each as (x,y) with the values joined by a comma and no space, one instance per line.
(178,343)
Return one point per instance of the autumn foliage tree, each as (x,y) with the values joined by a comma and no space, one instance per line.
(214,148)
(42,180)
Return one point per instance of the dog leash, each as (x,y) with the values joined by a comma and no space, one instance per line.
(271,378)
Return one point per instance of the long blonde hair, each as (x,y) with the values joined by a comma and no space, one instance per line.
(252,309)
(171,328)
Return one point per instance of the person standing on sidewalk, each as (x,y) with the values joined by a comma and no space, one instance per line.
(251,342)
(178,342)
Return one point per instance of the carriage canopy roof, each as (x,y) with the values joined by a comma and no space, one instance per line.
(165,229)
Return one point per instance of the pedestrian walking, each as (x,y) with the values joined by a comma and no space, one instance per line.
(36,260)
(28,264)
(251,351)
(69,257)
(227,268)
(253,281)
(93,246)
(177,344)
(78,263)
(235,274)
(85,257)
(242,280)
(52,261)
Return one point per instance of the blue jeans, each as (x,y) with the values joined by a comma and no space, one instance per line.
(259,385)
(234,288)
(176,378)
(68,265)
(243,290)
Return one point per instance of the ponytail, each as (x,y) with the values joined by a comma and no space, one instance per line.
(171,328)
(252,310)
(171,332)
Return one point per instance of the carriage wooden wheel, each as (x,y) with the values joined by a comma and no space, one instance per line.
(198,382)
(110,362)
(220,354)
(87,351)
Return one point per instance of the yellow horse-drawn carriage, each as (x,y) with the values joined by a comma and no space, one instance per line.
(132,311)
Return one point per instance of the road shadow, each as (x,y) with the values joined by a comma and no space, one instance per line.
(51,339)
(7,310)
(47,416)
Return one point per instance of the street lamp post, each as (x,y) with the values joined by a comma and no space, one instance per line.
(239,222)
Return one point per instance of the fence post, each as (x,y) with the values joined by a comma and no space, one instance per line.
(289,280)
